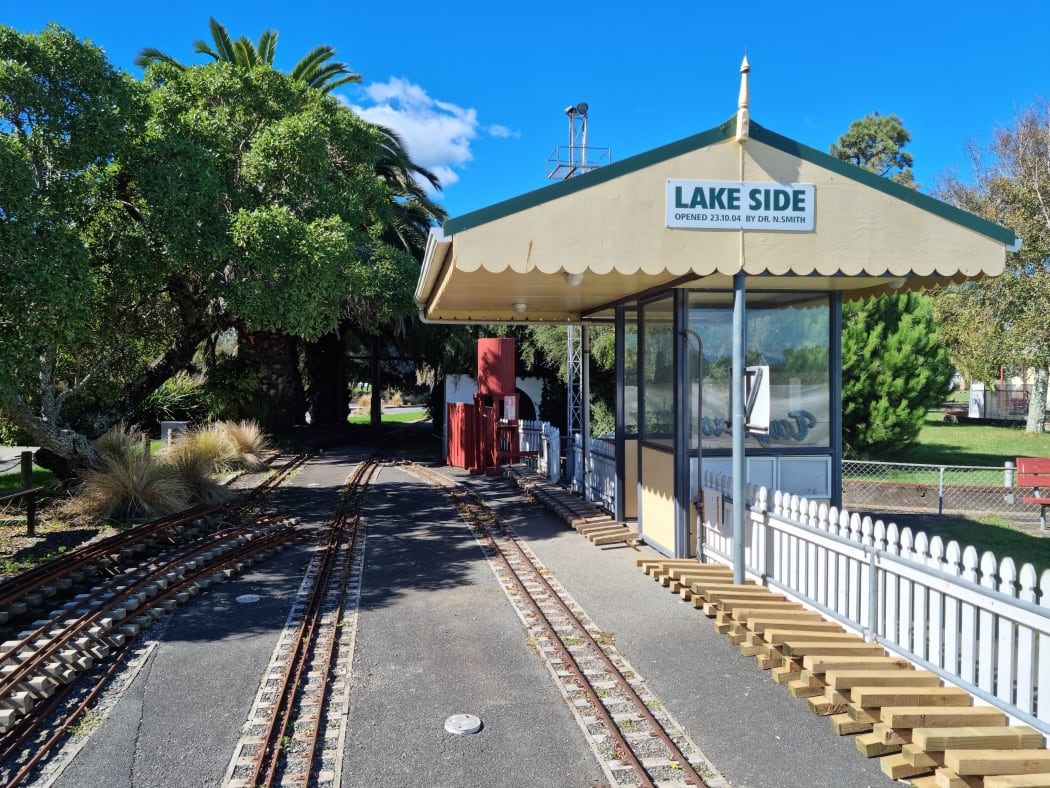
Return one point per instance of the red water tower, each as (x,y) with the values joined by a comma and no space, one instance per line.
(484,436)
(495,366)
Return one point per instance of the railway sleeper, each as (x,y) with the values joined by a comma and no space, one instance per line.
(115,639)
(20,701)
(15,609)
(76,660)
(91,647)
(39,687)
(60,672)
(8,718)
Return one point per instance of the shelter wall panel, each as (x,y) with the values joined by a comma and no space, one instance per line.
(657,502)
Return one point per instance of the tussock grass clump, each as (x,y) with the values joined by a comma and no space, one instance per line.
(250,441)
(195,470)
(130,482)
(212,445)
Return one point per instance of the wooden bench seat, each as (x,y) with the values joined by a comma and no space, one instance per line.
(1034,472)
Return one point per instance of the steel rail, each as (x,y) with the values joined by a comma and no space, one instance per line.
(481,515)
(76,626)
(15,739)
(24,583)
(459,497)
(65,724)
(656,727)
(339,542)
(18,587)
(266,486)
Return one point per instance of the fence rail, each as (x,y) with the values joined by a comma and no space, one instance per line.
(937,489)
(974,619)
(867,486)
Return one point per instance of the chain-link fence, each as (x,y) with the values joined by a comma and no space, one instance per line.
(934,489)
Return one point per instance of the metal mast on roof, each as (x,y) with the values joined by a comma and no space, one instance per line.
(577,157)
(566,161)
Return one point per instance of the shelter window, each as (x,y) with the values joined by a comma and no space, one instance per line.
(630,376)
(656,372)
(789,333)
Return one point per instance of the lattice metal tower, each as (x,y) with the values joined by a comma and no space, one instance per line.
(566,161)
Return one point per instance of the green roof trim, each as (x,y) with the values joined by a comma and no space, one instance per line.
(593,178)
(719,133)
(885,185)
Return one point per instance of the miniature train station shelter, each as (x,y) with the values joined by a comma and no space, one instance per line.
(721,258)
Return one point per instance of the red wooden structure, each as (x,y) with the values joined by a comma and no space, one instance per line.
(484,436)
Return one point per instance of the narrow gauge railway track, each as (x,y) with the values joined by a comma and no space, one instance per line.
(45,584)
(637,744)
(40,695)
(291,737)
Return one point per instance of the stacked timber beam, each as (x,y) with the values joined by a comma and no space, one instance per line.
(923,731)
(585,517)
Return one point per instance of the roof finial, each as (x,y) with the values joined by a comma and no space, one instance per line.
(743,118)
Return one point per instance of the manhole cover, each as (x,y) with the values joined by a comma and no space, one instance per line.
(460,724)
(247,599)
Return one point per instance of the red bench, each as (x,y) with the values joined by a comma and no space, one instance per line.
(1034,472)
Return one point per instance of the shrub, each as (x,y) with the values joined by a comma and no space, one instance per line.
(131,483)
(894,369)
(179,398)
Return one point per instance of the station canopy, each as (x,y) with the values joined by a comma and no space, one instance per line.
(690,214)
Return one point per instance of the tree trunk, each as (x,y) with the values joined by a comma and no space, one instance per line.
(327,394)
(66,453)
(377,387)
(282,399)
(1037,402)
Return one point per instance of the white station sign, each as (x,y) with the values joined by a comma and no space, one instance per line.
(736,205)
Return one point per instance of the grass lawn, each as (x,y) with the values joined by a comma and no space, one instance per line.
(944,443)
(13,481)
(391,417)
(984,533)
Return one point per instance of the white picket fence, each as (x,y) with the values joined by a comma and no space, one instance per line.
(540,437)
(545,440)
(975,620)
(601,472)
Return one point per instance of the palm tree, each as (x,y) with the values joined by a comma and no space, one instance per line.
(315,68)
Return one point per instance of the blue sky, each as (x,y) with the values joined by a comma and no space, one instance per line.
(478,89)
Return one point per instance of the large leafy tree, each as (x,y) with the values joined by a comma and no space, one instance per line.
(412,211)
(65,116)
(246,200)
(1006,320)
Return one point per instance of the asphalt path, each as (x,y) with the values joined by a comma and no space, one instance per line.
(436,636)
(753,731)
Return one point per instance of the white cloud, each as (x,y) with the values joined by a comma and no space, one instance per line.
(502,132)
(437,134)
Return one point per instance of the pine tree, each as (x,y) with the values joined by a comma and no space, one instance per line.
(894,368)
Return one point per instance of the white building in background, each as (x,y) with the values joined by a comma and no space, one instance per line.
(461,388)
